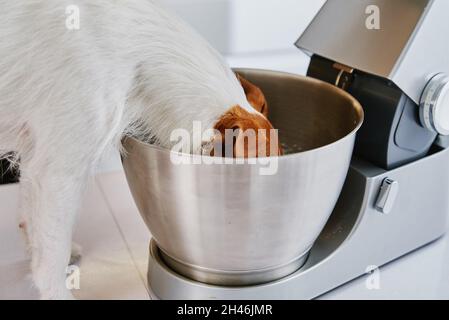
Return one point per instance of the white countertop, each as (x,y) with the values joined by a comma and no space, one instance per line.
(115,251)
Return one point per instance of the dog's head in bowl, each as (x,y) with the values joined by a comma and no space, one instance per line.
(239,133)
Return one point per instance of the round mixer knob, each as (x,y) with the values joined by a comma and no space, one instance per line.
(434,105)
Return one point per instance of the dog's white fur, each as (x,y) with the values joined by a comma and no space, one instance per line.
(68,96)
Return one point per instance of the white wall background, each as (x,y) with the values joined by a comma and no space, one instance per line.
(247,26)
(250,33)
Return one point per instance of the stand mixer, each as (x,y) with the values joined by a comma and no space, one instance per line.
(395,198)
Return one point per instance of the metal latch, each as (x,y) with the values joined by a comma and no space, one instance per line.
(387,196)
(345,75)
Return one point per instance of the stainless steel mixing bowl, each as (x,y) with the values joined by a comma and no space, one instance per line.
(228,224)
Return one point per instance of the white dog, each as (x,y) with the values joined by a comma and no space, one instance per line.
(67,95)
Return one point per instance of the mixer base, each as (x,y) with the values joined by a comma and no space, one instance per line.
(228,278)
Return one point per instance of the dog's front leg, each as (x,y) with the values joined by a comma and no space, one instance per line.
(52,196)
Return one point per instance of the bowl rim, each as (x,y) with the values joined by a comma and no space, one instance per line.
(355,103)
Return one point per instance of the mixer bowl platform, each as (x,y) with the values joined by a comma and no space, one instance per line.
(226,277)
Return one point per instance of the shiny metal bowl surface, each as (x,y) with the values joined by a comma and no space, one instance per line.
(228,224)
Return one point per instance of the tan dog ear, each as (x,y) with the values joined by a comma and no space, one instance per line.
(241,134)
(246,144)
(236,142)
(219,146)
(254,96)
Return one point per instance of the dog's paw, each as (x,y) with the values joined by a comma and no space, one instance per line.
(76,255)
